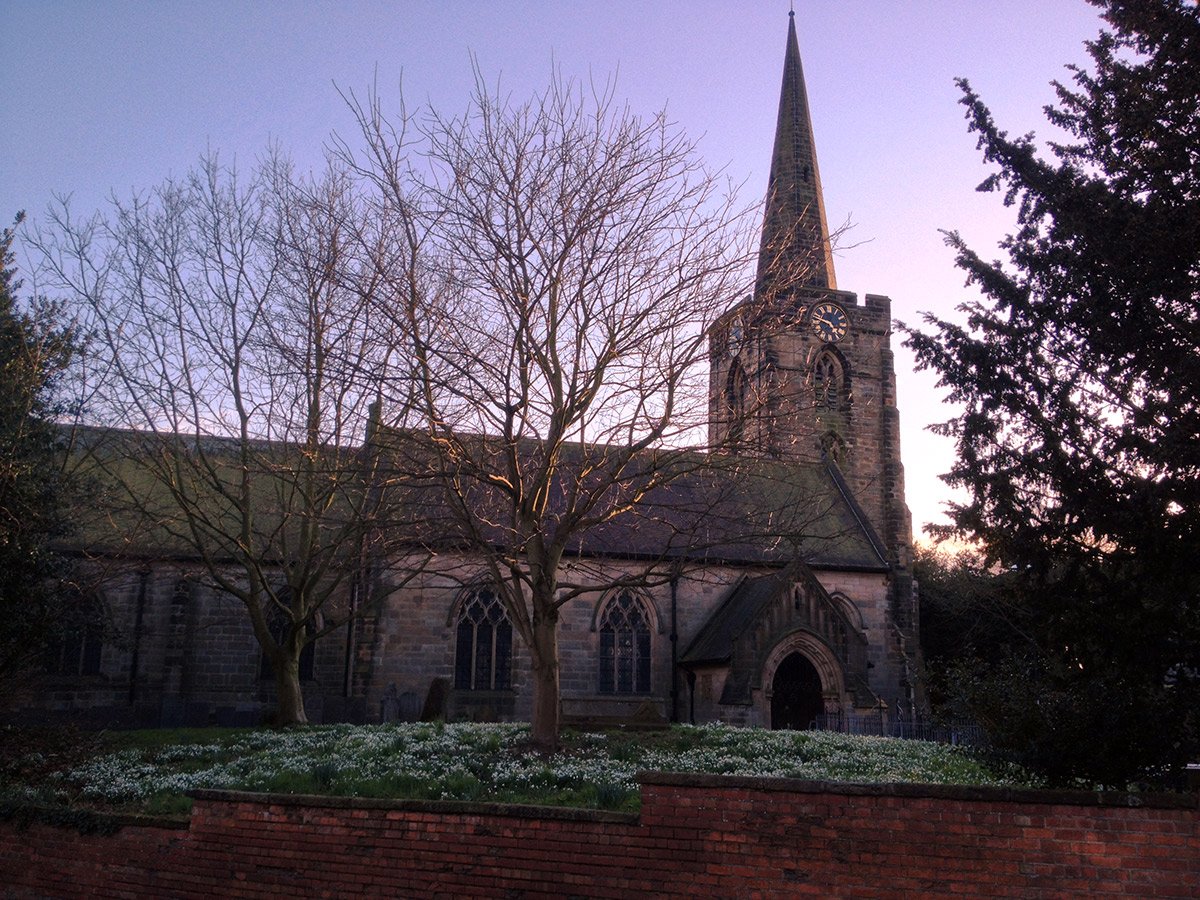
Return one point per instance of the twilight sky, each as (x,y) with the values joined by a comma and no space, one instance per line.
(103,96)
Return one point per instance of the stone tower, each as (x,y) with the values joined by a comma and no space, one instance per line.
(801,370)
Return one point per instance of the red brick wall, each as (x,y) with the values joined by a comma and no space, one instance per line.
(695,835)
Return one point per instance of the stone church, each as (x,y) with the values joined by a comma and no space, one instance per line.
(802,378)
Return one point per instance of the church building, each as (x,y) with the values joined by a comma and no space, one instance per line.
(779,634)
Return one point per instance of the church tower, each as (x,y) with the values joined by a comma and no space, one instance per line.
(802,371)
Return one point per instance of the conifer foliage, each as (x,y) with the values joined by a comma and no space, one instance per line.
(1078,376)
(34,350)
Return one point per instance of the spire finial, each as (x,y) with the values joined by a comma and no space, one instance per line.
(795,239)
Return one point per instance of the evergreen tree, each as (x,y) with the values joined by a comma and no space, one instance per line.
(34,350)
(1079,379)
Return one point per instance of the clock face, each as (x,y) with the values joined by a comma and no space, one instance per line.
(829,322)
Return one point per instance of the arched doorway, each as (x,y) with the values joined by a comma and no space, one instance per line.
(796,696)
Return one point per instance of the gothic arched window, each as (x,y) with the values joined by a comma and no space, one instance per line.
(624,646)
(827,382)
(277,623)
(736,389)
(483,645)
(77,645)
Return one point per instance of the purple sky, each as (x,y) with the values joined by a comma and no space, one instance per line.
(106,96)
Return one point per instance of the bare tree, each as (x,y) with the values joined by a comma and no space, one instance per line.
(555,268)
(517,303)
(234,361)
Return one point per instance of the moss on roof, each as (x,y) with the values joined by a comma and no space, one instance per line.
(715,509)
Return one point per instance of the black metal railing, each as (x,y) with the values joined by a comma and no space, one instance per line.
(885,724)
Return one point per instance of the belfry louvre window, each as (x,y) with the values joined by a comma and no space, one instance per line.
(735,398)
(624,647)
(483,648)
(827,380)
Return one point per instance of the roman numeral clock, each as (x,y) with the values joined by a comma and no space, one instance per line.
(829,322)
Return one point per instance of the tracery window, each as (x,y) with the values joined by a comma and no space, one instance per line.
(735,399)
(277,622)
(77,646)
(827,382)
(483,646)
(624,646)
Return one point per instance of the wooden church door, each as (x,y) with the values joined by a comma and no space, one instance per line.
(796,697)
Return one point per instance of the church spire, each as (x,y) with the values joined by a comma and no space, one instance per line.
(795,247)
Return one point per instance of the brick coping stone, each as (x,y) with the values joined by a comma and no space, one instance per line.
(461,807)
(87,819)
(1103,799)
(926,791)
(1114,799)
(83,819)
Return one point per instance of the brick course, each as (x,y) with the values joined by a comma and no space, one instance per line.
(696,835)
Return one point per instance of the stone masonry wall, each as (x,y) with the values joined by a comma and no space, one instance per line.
(175,651)
(412,644)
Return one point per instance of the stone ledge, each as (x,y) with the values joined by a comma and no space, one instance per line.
(439,807)
(926,791)
(82,819)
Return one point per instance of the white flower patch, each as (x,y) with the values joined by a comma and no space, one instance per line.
(468,761)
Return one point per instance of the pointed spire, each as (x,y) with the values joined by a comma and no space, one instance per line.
(795,239)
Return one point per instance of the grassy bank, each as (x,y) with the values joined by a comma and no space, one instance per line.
(151,771)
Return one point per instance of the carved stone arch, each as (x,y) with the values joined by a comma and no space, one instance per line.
(849,608)
(625,622)
(464,595)
(822,657)
(483,639)
(653,613)
(831,380)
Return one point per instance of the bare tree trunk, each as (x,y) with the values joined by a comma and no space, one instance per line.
(544,724)
(290,702)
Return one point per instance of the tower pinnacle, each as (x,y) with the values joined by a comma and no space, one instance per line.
(795,249)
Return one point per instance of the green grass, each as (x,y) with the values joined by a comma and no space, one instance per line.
(151,739)
(151,771)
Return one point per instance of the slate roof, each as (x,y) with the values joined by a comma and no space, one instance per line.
(762,512)
(130,509)
(739,610)
(715,510)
